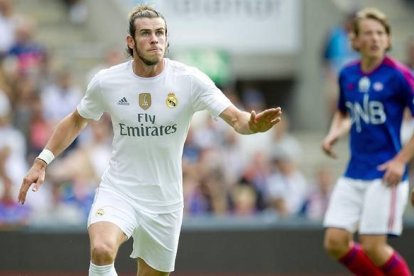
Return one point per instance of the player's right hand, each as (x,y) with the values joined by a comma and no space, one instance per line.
(36,176)
(327,146)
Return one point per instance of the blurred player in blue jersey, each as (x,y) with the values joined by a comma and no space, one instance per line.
(371,195)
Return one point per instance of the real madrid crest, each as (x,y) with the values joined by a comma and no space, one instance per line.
(144,100)
(171,100)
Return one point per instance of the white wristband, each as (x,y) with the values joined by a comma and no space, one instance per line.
(47,156)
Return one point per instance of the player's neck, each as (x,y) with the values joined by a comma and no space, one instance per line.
(147,71)
(369,64)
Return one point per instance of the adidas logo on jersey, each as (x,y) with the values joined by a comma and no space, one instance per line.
(123,101)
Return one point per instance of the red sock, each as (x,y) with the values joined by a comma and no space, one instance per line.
(396,266)
(357,262)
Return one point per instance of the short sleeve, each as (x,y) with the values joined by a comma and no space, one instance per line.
(206,95)
(407,85)
(341,98)
(91,106)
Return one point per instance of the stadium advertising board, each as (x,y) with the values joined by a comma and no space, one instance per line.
(236,26)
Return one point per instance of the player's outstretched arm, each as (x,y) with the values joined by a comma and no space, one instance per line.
(249,123)
(63,135)
(340,125)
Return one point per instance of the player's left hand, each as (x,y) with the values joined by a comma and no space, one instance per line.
(265,120)
(394,170)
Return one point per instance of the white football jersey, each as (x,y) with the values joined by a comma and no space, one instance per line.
(150,119)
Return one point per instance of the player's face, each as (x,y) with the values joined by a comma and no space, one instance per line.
(150,40)
(372,39)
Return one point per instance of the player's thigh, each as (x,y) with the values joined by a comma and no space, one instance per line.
(156,239)
(106,234)
(111,207)
(145,270)
(383,209)
(111,221)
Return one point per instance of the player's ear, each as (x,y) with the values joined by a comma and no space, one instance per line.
(130,42)
(352,37)
(389,43)
(168,44)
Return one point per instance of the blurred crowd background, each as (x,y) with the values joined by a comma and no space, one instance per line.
(50,49)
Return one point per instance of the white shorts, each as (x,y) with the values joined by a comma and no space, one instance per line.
(155,235)
(370,207)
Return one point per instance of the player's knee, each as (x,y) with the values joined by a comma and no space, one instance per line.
(103,253)
(372,250)
(335,247)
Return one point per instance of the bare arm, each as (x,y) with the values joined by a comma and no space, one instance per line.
(340,125)
(249,123)
(66,132)
(63,135)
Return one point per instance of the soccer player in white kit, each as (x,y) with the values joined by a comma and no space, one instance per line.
(151,100)
(371,195)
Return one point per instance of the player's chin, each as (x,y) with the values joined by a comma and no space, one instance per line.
(157,58)
(151,61)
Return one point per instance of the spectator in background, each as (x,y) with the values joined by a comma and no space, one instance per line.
(212,181)
(12,145)
(210,133)
(12,167)
(112,56)
(234,163)
(255,175)
(374,93)
(39,129)
(244,199)
(28,53)
(8,21)
(320,193)
(336,52)
(410,53)
(77,11)
(337,49)
(6,84)
(282,140)
(12,214)
(251,147)
(286,185)
(195,201)
(25,92)
(61,97)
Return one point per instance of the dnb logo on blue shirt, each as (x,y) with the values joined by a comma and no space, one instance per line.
(369,112)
